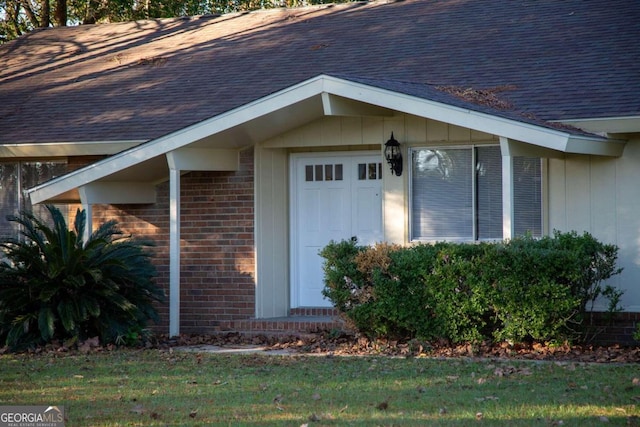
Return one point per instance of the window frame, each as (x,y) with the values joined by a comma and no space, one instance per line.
(474,202)
(22,202)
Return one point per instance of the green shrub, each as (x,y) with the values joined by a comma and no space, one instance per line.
(456,286)
(56,286)
(517,290)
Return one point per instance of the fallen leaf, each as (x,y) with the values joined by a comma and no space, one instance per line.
(383,406)
(193,413)
(479,415)
(636,382)
(442,411)
(314,418)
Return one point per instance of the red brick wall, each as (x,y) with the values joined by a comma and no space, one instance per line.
(217,245)
(618,329)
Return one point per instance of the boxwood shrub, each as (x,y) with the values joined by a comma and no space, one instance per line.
(517,290)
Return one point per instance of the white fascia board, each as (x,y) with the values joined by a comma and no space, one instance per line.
(203,159)
(334,105)
(605,125)
(117,192)
(176,140)
(544,137)
(525,132)
(64,149)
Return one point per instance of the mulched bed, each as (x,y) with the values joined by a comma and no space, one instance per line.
(359,346)
(353,345)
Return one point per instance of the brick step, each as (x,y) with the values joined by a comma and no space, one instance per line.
(314,311)
(307,320)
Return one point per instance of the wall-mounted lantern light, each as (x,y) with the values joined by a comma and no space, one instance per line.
(393,154)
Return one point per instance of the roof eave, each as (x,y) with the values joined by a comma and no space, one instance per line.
(607,125)
(554,139)
(315,87)
(64,149)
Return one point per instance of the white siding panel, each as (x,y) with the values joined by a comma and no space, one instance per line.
(557,190)
(437,131)
(598,195)
(628,224)
(603,199)
(578,194)
(271,233)
(352,131)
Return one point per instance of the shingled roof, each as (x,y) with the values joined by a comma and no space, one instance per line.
(540,60)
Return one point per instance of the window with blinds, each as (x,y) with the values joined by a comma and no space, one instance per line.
(456,194)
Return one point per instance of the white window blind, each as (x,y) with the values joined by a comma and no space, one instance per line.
(442,193)
(527,188)
(456,194)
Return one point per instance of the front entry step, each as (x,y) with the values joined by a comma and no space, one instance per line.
(305,320)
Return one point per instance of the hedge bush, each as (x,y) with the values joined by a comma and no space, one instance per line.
(517,290)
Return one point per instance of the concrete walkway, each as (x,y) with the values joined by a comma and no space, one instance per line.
(235,349)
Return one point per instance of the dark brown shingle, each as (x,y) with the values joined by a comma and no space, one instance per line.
(140,80)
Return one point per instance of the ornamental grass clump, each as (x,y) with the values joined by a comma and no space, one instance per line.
(54,285)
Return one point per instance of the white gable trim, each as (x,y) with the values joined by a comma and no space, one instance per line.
(525,132)
(62,149)
(316,87)
(607,125)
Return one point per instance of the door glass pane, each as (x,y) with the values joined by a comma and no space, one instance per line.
(362,171)
(527,189)
(328,172)
(319,173)
(338,172)
(489,192)
(442,194)
(308,173)
(373,171)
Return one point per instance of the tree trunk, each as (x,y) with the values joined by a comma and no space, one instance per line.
(45,15)
(60,13)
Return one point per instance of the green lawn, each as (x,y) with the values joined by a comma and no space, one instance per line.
(162,388)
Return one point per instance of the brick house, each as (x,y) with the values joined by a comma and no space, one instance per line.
(243,143)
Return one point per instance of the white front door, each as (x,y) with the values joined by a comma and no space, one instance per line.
(334,197)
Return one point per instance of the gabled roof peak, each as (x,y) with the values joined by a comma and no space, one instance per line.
(140,80)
